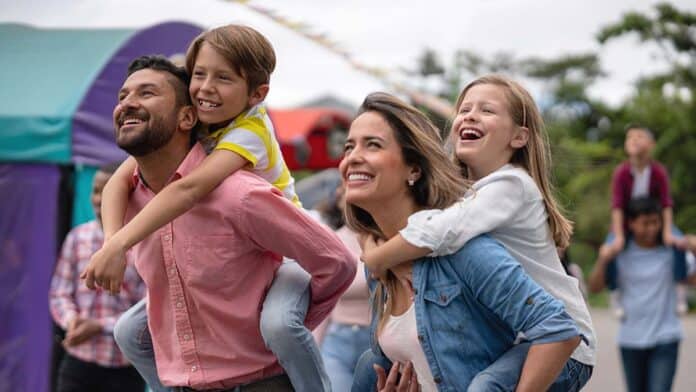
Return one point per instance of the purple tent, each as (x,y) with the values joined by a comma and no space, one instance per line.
(57,140)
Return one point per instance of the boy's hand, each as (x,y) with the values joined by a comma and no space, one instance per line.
(669,240)
(690,240)
(106,268)
(617,245)
(607,253)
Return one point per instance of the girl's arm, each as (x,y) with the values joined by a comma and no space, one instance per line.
(544,363)
(443,232)
(115,197)
(107,266)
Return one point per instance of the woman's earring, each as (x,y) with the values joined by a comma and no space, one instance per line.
(411,182)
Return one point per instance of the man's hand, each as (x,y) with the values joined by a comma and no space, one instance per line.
(407,383)
(106,268)
(80,330)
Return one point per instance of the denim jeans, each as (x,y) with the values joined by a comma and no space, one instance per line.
(504,373)
(133,338)
(342,347)
(282,328)
(501,375)
(651,369)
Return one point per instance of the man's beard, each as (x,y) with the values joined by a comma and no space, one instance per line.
(152,138)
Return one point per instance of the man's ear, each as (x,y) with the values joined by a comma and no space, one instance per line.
(520,138)
(258,95)
(187,118)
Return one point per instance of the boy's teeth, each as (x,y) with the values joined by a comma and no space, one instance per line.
(207,104)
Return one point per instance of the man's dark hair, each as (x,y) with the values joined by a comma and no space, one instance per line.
(642,206)
(178,77)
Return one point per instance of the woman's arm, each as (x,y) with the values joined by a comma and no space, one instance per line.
(443,232)
(107,266)
(544,363)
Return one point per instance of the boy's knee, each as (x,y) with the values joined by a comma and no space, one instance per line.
(128,333)
(364,376)
(487,382)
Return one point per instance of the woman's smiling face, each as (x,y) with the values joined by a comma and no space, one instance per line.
(373,167)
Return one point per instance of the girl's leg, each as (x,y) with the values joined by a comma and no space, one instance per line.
(133,338)
(365,379)
(341,349)
(504,373)
(283,329)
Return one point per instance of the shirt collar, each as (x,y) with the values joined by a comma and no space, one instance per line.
(190,162)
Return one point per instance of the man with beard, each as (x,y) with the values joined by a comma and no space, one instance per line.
(207,271)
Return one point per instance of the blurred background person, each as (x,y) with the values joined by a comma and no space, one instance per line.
(92,362)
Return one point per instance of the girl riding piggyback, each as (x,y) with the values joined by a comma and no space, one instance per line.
(499,142)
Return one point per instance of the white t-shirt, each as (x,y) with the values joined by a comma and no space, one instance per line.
(641,182)
(508,205)
(399,342)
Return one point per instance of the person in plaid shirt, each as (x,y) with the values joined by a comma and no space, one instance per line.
(93,361)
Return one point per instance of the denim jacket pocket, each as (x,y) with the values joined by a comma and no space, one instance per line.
(442,296)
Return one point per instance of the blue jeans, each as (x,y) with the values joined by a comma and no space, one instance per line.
(133,338)
(651,369)
(501,375)
(341,349)
(282,328)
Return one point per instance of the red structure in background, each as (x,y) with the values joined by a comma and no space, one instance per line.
(311,138)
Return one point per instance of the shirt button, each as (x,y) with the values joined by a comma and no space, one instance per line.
(187,336)
(193,368)
(415,291)
(437,380)
(167,237)
(179,305)
(420,338)
(172,271)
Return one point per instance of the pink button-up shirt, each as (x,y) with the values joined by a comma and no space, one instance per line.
(207,273)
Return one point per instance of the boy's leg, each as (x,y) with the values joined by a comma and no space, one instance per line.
(365,378)
(342,347)
(635,365)
(504,373)
(283,330)
(662,366)
(133,338)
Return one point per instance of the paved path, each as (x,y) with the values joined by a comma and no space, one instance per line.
(608,374)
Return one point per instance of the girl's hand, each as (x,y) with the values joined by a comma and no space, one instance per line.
(407,383)
(106,268)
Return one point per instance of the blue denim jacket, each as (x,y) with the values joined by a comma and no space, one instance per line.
(471,307)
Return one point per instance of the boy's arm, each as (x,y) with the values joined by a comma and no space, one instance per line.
(107,266)
(617,227)
(115,197)
(597,280)
(446,231)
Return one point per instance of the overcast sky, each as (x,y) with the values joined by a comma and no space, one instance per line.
(386,34)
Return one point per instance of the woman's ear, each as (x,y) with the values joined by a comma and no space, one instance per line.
(415,174)
(520,138)
(187,118)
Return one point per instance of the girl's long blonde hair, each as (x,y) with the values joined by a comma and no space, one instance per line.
(535,156)
(439,185)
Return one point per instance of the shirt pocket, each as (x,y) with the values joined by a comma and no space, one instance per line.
(445,308)
(210,261)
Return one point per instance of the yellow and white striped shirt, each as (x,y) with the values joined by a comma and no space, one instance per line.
(252,136)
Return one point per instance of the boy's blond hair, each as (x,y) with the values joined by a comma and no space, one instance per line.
(535,156)
(246,50)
